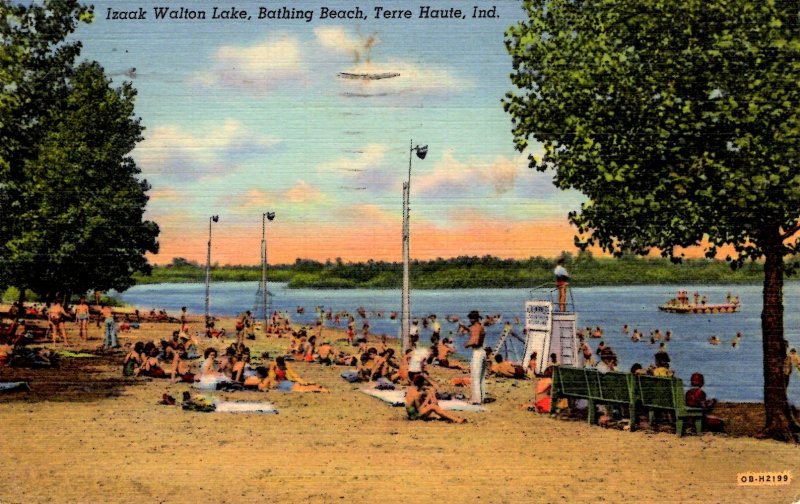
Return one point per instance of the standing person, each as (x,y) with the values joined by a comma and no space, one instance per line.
(82,318)
(478,363)
(110,333)
(562,283)
(56,315)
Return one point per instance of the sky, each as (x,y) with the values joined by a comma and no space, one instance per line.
(243,117)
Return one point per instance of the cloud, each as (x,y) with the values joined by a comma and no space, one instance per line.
(413,79)
(369,157)
(451,174)
(172,152)
(258,68)
(336,39)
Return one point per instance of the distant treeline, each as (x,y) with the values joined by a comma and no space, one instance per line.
(467,272)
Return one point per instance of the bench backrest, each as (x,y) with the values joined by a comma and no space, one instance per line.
(571,381)
(591,384)
(660,392)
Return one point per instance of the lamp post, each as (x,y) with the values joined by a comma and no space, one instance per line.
(213,218)
(405,323)
(264,292)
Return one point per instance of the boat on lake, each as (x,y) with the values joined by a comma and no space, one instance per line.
(681,304)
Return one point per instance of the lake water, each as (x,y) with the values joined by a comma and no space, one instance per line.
(733,374)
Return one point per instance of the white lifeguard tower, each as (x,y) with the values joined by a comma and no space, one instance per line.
(550,332)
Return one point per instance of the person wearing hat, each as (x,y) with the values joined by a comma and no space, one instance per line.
(478,364)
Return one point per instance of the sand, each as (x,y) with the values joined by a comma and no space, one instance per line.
(86,434)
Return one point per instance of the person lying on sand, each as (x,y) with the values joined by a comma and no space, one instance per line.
(286,379)
(506,368)
(421,402)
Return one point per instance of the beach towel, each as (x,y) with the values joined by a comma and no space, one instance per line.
(397,398)
(245,407)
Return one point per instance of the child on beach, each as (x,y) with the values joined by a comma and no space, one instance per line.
(696,398)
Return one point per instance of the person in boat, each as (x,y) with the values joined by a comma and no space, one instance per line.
(562,284)
(421,402)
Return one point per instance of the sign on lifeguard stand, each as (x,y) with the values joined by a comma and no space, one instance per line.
(541,324)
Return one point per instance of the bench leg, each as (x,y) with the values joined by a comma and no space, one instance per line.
(679,427)
(592,413)
(651,418)
(633,417)
(698,426)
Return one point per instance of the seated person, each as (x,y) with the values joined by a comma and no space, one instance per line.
(260,381)
(421,402)
(542,400)
(506,368)
(133,360)
(384,365)
(151,366)
(443,351)
(181,369)
(325,353)
(696,398)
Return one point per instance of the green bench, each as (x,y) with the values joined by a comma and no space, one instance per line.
(595,387)
(635,391)
(666,394)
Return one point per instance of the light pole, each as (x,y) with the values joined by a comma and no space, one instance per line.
(405,322)
(213,218)
(264,292)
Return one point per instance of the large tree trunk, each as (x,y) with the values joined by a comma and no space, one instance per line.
(779,418)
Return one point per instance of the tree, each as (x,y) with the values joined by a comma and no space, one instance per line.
(679,121)
(72,203)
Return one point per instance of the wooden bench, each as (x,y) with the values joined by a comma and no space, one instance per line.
(595,387)
(666,394)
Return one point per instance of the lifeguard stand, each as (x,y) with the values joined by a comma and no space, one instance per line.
(549,331)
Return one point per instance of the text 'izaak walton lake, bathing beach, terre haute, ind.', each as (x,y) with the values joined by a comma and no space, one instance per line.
(228,13)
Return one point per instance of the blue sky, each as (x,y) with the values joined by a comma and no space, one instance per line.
(243,117)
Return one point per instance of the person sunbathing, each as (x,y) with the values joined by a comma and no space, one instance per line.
(286,379)
(209,365)
(133,359)
(506,368)
(421,402)
(443,349)
(325,353)
(384,366)
(151,366)
(181,369)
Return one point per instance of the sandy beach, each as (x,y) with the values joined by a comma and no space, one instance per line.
(84,433)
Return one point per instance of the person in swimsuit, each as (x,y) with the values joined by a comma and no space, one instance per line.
(443,349)
(133,360)
(181,369)
(421,402)
(151,366)
(56,315)
(82,318)
(287,379)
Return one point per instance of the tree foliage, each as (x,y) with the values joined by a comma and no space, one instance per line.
(72,201)
(679,121)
